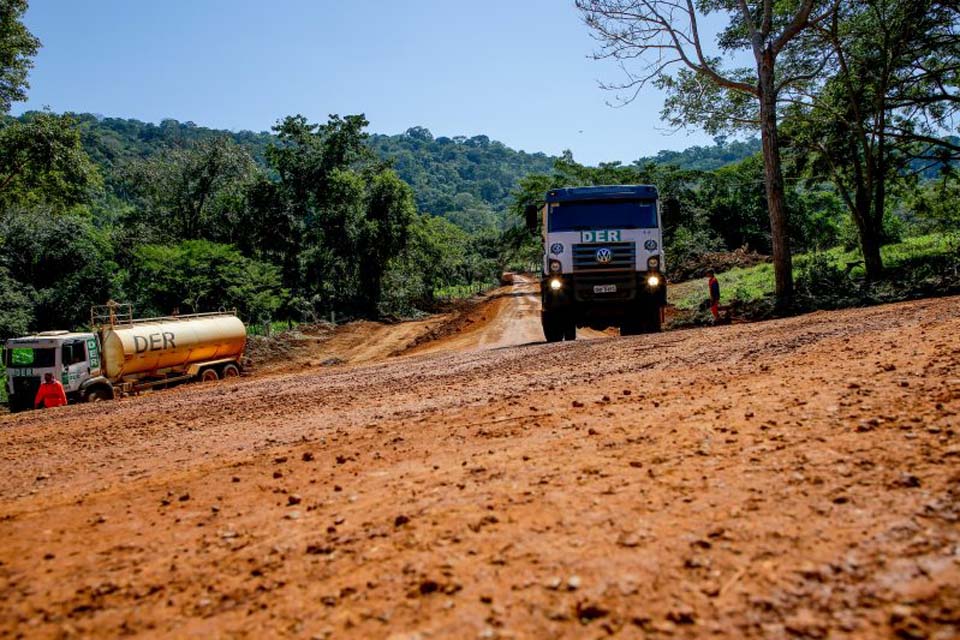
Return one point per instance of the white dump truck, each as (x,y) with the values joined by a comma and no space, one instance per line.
(123,355)
(603,260)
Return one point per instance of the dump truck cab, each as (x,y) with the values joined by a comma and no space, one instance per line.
(72,358)
(603,260)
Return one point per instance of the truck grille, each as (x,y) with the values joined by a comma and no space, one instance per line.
(623,256)
(619,271)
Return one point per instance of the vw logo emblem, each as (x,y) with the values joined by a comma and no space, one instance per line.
(604,255)
(556,248)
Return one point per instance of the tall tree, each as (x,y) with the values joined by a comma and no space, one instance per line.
(384,233)
(668,37)
(17,48)
(62,262)
(891,95)
(336,217)
(193,192)
(42,161)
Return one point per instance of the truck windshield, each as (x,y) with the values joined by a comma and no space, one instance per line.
(29,357)
(603,214)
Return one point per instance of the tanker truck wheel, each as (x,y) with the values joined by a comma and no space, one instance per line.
(231,371)
(209,375)
(97,394)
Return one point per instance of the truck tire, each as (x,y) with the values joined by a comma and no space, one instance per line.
(652,324)
(96,394)
(230,370)
(16,406)
(570,330)
(634,323)
(552,327)
(209,375)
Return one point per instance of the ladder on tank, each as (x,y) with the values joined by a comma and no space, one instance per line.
(115,314)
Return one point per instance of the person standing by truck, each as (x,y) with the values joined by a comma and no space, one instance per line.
(714,295)
(50,394)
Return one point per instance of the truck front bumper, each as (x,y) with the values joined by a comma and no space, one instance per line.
(595,303)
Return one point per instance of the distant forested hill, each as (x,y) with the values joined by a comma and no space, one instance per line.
(468,181)
(711,158)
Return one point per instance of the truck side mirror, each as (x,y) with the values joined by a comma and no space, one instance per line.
(530,217)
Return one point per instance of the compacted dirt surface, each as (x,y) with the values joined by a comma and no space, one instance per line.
(794,478)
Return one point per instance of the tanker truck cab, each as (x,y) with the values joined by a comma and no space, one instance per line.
(603,260)
(72,358)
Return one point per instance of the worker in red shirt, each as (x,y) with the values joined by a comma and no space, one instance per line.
(50,394)
(714,295)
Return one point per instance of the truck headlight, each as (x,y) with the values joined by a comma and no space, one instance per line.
(653,281)
(653,262)
(555,266)
(556,284)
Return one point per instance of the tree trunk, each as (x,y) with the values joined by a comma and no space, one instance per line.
(867,231)
(870,246)
(870,241)
(773,179)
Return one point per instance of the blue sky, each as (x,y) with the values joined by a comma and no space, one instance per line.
(518,71)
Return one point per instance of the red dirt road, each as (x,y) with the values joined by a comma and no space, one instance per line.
(796,478)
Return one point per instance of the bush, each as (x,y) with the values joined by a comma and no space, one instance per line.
(62,261)
(16,308)
(689,244)
(822,284)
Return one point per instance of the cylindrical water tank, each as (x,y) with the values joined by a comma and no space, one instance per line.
(171,343)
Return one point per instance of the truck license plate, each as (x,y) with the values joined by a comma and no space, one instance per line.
(604,288)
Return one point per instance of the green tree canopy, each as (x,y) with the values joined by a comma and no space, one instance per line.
(194,192)
(17,48)
(198,275)
(890,93)
(65,263)
(42,161)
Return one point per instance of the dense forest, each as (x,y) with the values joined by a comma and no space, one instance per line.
(312,218)
(467,180)
(291,224)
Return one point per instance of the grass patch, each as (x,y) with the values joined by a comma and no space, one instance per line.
(462,291)
(917,267)
(274,327)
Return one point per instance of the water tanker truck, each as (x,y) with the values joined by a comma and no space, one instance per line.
(123,355)
(603,260)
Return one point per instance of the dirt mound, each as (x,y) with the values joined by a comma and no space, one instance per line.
(718,261)
(502,317)
(266,352)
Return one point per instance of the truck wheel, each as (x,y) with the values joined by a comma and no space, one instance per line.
(230,371)
(552,330)
(652,324)
(630,327)
(209,375)
(97,394)
(570,330)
